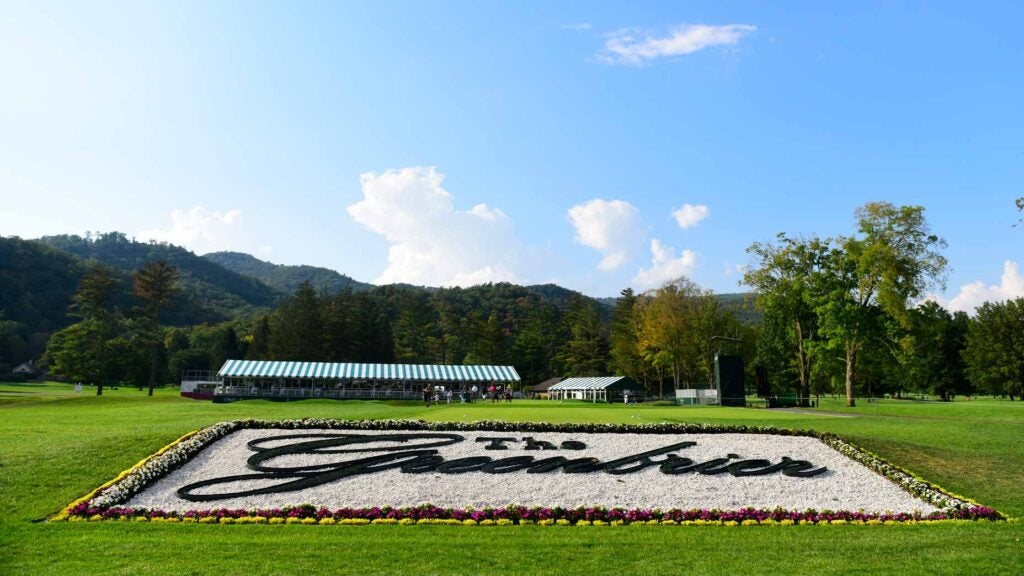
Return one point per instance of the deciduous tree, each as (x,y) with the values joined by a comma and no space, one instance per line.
(995,348)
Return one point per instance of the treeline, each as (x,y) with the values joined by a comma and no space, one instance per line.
(832,315)
(108,344)
(838,315)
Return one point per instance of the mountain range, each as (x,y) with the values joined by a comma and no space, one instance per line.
(39,277)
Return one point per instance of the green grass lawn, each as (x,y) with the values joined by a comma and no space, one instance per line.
(56,445)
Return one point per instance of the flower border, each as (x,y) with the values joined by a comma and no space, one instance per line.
(102,503)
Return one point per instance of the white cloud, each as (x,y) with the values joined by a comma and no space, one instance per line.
(664,266)
(623,47)
(202,230)
(689,215)
(730,269)
(977,293)
(432,243)
(612,228)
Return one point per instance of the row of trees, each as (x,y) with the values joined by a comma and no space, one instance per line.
(835,313)
(105,345)
(493,324)
(671,333)
(844,307)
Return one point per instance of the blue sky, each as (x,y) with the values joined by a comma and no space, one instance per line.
(594,145)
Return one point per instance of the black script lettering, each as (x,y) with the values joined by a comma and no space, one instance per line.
(302,481)
(801,469)
(581,466)
(675,465)
(532,444)
(460,465)
(417,453)
(496,443)
(749,467)
(547,465)
(642,460)
(506,465)
(716,466)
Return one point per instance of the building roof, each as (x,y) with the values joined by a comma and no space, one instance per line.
(351,370)
(545,385)
(587,383)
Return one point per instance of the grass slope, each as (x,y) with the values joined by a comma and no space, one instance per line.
(56,445)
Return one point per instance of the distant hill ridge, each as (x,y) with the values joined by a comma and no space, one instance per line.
(285,278)
(209,292)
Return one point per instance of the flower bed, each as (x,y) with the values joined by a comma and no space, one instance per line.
(497,473)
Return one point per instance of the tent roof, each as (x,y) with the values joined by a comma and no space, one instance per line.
(595,383)
(350,370)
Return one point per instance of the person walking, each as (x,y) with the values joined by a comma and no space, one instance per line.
(426,396)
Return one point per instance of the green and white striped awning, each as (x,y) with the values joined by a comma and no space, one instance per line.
(582,383)
(353,371)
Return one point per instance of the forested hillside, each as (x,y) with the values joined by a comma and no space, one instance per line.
(209,292)
(283,278)
(36,285)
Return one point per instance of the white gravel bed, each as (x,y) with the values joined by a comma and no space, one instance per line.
(847,485)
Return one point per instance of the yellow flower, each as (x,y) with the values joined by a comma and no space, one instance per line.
(469,522)
(276,520)
(141,519)
(259,519)
(309,521)
(786,522)
(749,522)
(328,521)
(292,520)
(731,523)
(487,522)
(562,522)
(226,520)
(504,522)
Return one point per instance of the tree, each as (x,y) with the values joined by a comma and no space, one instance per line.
(934,363)
(297,329)
(870,279)
(535,343)
(154,284)
(995,348)
(413,328)
(783,278)
(585,353)
(625,357)
(676,324)
(259,345)
(83,351)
